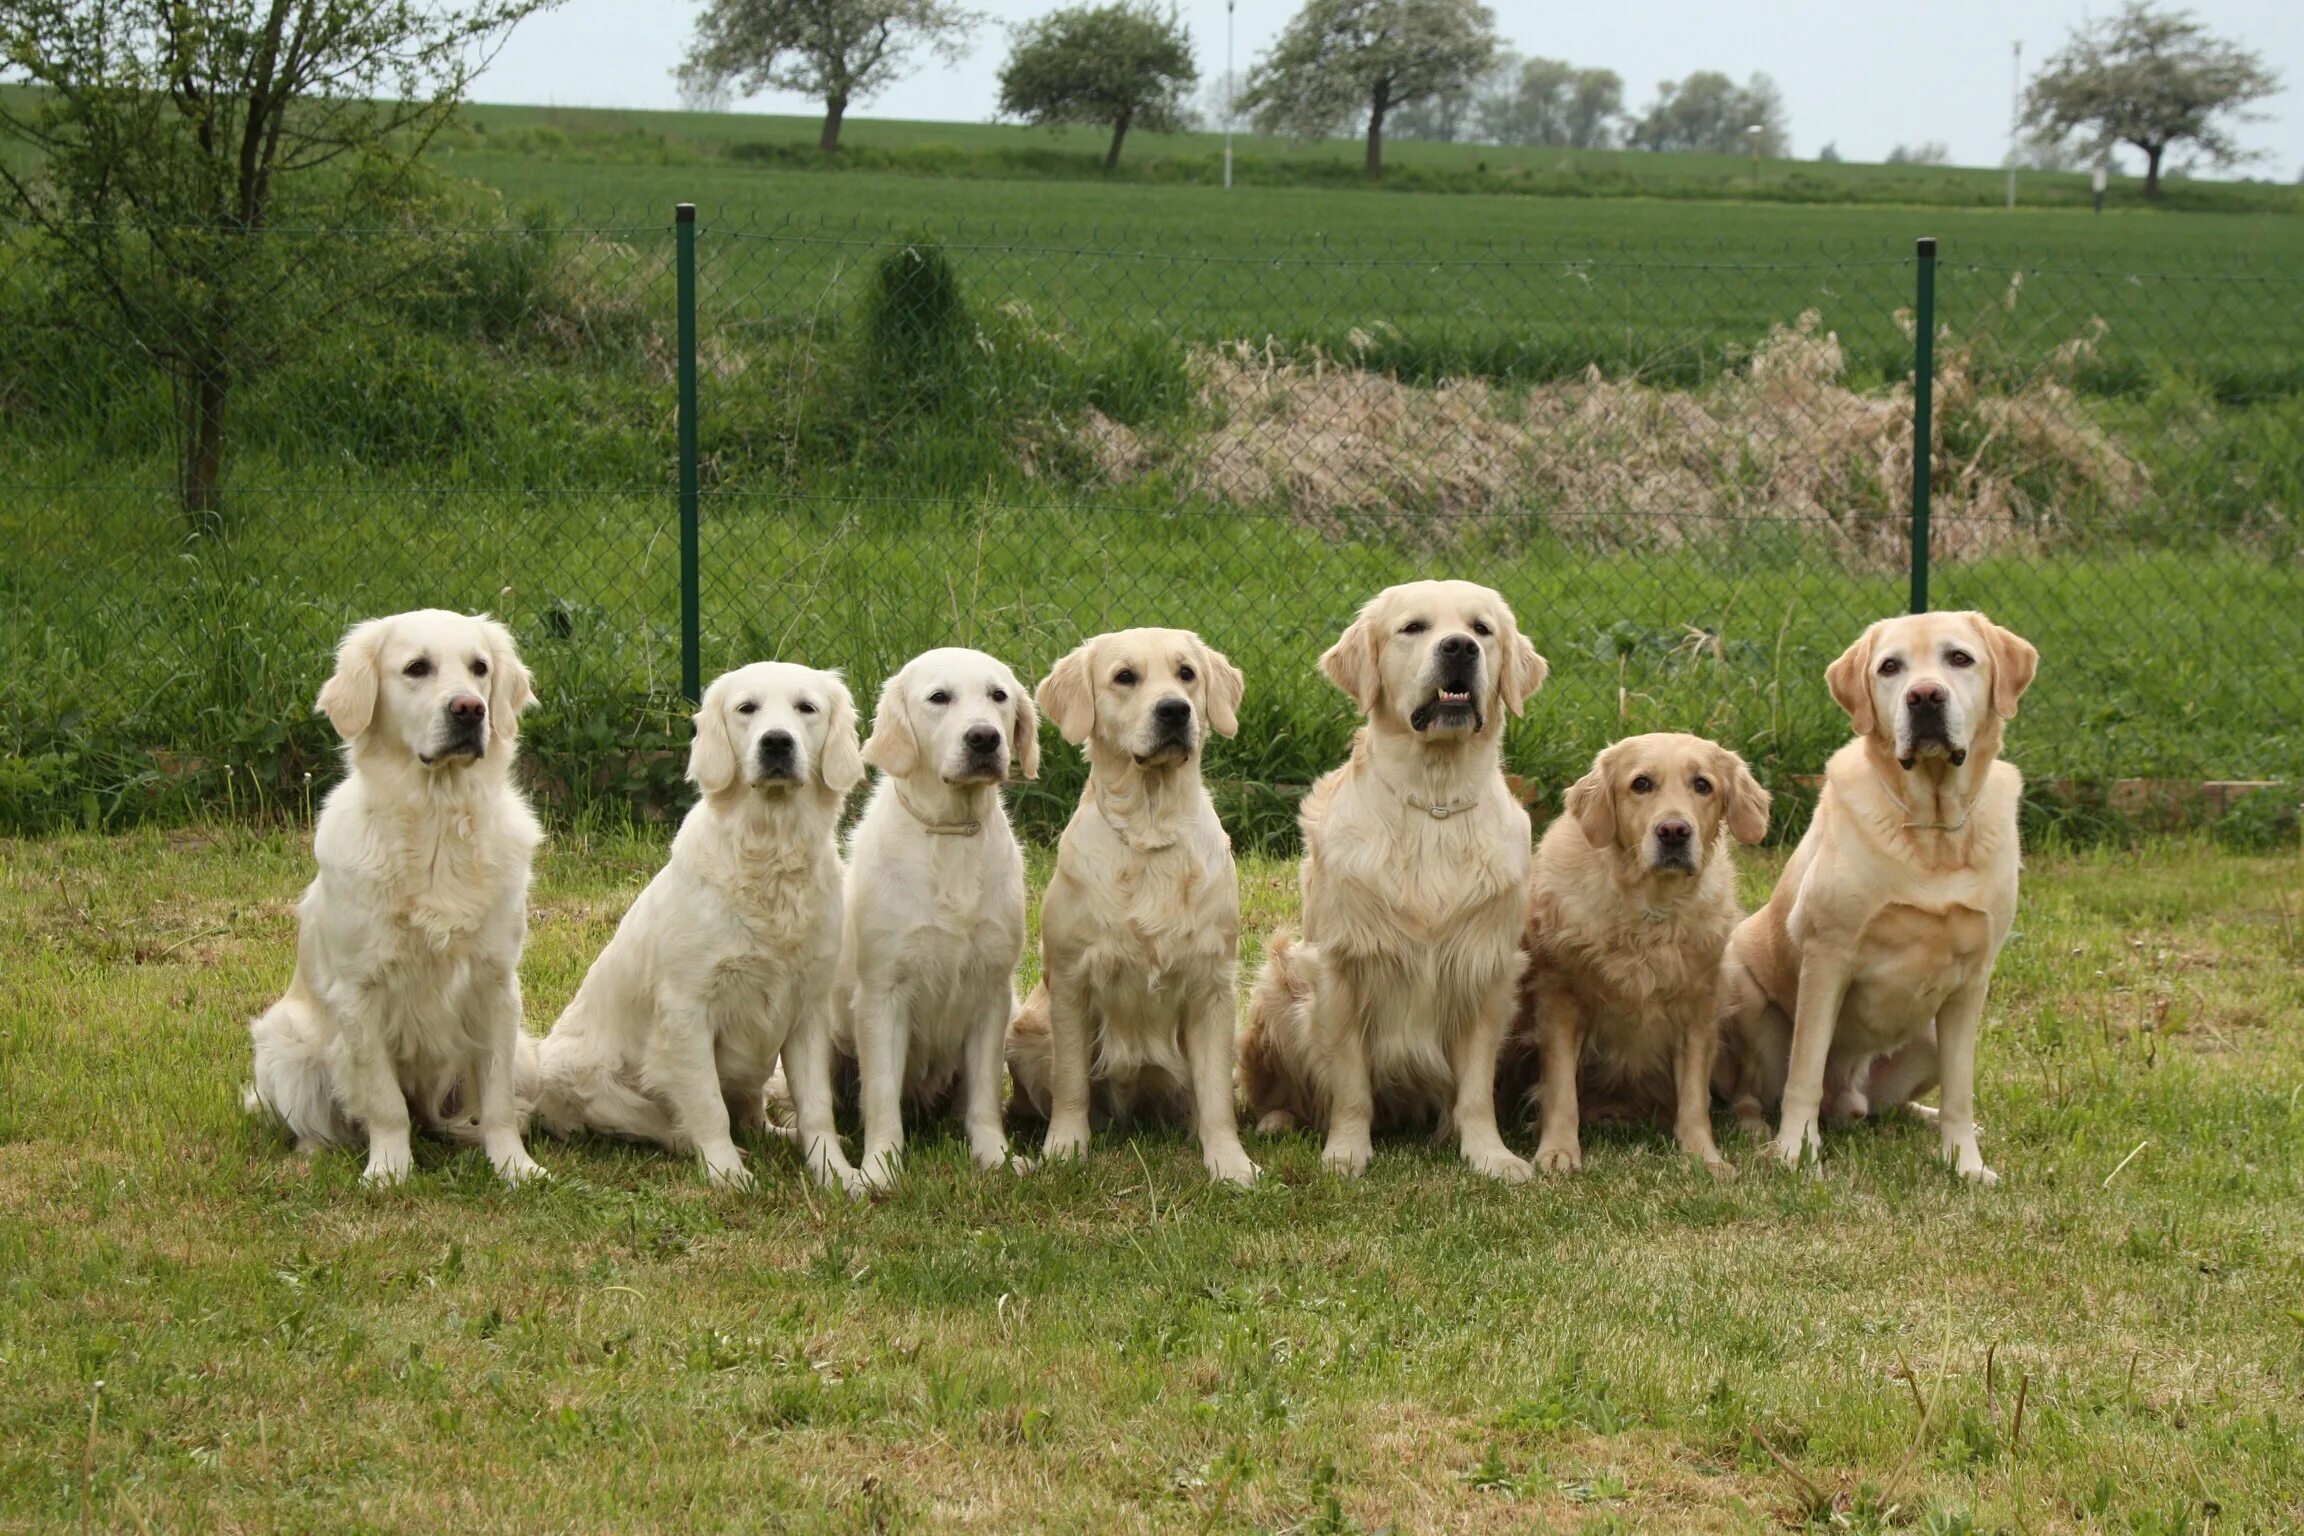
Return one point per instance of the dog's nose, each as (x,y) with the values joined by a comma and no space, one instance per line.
(981,738)
(1672,832)
(467,706)
(1172,711)
(1459,645)
(776,745)
(1925,695)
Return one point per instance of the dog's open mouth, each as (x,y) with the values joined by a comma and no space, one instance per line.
(1448,707)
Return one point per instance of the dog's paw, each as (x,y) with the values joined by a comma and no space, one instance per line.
(882,1170)
(728,1173)
(1969,1163)
(518,1168)
(1798,1144)
(1275,1122)
(1560,1159)
(387,1166)
(1349,1158)
(1501,1164)
(1064,1146)
(1722,1171)
(991,1156)
(1232,1167)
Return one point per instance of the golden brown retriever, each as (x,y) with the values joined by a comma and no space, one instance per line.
(1140,926)
(1861,983)
(1629,911)
(1415,881)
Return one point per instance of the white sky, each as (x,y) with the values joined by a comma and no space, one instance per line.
(1866,74)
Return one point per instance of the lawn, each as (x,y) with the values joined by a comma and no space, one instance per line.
(2112,1340)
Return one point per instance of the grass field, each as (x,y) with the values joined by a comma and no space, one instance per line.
(198,1330)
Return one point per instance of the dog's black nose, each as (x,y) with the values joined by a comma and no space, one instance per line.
(1459,645)
(776,747)
(1925,695)
(467,706)
(1673,832)
(1172,711)
(982,739)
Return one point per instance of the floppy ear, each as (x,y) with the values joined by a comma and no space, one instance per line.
(1226,687)
(1593,805)
(1351,662)
(511,686)
(1747,816)
(841,764)
(712,760)
(1523,671)
(1024,734)
(1850,679)
(1068,695)
(2015,662)
(348,698)
(892,748)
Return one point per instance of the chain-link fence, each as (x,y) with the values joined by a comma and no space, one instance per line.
(1692,475)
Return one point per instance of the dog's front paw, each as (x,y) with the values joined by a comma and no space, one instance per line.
(1970,1165)
(728,1173)
(881,1169)
(1798,1145)
(1560,1159)
(1347,1155)
(517,1168)
(1063,1145)
(1721,1169)
(387,1166)
(1501,1163)
(1231,1166)
(991,1155)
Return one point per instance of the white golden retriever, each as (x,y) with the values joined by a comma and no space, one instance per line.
(935,904)
(726,960)
(1861,983)
(1140,927)
(1415,885)
(1629,910)
(406,998)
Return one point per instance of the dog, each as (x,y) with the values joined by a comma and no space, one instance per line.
(1415,881)
(1629,911)
(1861,983)
(406,996)
(726,961)
(1140,925)
(935,904)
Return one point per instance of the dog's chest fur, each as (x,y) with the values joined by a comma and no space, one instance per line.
(1641,968)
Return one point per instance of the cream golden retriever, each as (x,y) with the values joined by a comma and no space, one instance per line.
(1415,880)
(1861,983)
(935,903)
(1629,911)
(1140,926)
(406,997)
(726,960)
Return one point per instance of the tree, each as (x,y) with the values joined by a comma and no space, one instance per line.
(1220,101)
(200,167)
(838,51)
(2150,78)
(1710,113)
(1124,64)
(1930,152)
(1337,58)
(1551,102)
(1829,154)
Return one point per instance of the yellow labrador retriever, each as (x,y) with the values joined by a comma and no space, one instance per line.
(1862,981)
(1629,912)
(1415,880)
(1140,926)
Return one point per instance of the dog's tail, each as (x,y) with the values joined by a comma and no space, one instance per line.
(293,1082)
(1275,1068)
(564,1091)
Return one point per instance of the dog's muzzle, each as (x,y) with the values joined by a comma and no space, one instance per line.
(1455,700)
(1673,846)
(983,757)
(1171,732)
(463,730)
(1928,730)
(777,759)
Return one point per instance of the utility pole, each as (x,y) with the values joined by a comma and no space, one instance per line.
(1231,94)
(2015,114)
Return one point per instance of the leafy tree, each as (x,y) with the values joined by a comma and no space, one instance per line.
(199,169)
(2150,78)
(838,51)
(1337,58)
(1123,64)
(1551,102)
(1930,152)
(1709,112)
(1829,154)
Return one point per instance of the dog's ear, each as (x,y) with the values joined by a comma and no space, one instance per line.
(1352,663)
(1593,804)
(712,759)
(1226,687)
(841,764)
(1747,813)
(511,686)
(1850,679)
(1067,695)
(892,748)
(1024,733)
(348,698)
(1523,671)
(2015,662)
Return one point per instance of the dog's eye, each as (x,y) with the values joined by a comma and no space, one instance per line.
(999,695)
(805,707)
(479,669)
(1642,784)
(1961,659)
(747,708)
(1185,674)
(1703,785)
(1891,667)
(1125,677)
(417,668)
(940,696)
(1414,627)
(1480,628)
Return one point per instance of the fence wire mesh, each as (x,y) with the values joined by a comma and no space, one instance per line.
(1690,472)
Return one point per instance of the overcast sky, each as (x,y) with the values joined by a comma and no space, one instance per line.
(1865,74)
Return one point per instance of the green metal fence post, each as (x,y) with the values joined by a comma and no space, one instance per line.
(1923,416)
(691,618)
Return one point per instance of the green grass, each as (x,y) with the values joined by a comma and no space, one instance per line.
(1118,1345)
